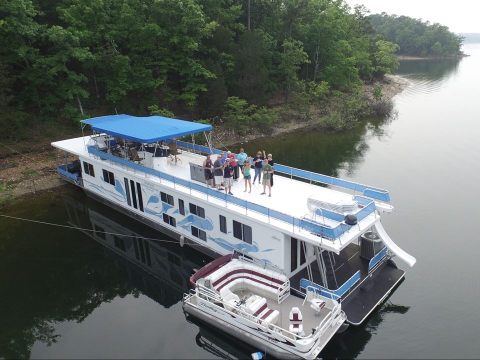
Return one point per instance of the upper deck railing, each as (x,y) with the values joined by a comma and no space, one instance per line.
(313,227)
(365,190)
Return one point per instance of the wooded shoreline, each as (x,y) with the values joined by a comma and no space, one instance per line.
(26,170)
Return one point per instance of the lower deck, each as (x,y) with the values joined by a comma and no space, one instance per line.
(311,318)
(342,267)
(365,295)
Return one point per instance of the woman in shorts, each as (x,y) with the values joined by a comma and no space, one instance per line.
(247,177)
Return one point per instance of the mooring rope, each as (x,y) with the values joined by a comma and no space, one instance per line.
(93,230)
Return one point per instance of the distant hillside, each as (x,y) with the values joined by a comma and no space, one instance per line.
(416,37)
(470,38)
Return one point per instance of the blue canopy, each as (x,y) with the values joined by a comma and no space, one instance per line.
(145,129)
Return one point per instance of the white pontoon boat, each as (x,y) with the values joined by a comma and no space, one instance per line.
(252,301)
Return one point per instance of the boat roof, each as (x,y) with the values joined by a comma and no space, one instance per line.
(145,129)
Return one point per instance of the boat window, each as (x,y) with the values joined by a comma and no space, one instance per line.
(140,197)
(88,169)
(197,210)
(198,233)
(293,253)
(134,194)
(181,206)
(166,198)
(127,191)
(223,224)
(247,234)
(108,177)
(242,232)
(169,220)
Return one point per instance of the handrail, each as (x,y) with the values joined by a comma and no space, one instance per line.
(249,317)
(332,294)
(62,170)
(368,191)
(376,259)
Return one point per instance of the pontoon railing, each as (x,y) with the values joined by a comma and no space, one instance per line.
(332,294)
(377,258)
(62,170)
(214,300)
(368,191)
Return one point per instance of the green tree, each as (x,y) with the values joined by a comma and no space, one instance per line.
(385,60)
(291,59)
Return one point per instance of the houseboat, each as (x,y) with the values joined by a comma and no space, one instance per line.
(322,232)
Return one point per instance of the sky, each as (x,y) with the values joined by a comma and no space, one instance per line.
(461,16)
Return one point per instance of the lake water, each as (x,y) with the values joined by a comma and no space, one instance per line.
(63,294)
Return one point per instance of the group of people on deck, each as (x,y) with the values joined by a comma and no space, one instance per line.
(227,167)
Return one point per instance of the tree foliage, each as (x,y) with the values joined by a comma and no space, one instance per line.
(416,37)
(70,58)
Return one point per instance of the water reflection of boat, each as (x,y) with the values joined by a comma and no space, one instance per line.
(352,342)
(158,268)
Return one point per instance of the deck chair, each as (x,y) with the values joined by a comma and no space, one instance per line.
(296,321)
(134,155)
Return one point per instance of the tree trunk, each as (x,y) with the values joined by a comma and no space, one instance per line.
(248,14)
(80,105)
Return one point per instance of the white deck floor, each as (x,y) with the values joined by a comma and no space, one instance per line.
(289,196)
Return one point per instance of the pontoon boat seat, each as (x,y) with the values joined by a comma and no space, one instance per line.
(239,276)
(231,300)
(296,320)
(317,304)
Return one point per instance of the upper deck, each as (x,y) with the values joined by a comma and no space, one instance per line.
(286,210)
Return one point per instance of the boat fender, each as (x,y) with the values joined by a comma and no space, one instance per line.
(350,219)
(182,240)
(257,355)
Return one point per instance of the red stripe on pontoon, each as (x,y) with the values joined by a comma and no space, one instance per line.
(246,277)
(238,271)
(259,311)
(266,314)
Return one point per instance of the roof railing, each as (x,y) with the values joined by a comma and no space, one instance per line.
(365,190)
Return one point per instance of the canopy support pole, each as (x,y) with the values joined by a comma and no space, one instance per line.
(208,138)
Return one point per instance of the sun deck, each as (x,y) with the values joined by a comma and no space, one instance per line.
(286,209)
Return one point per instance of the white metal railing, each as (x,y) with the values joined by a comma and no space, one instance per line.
(249,317)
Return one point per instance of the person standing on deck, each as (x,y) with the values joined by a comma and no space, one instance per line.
(218,172)
(267,174)
(271,163)
(207,170)
(222,158)
(241,158)
(247,176)
(258,165)
(228,177)
(233,162)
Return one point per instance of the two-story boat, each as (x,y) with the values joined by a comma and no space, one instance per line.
(322,232)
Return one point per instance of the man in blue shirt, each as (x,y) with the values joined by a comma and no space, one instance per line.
(222,158)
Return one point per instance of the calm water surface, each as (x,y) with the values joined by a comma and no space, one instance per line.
(68,293)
